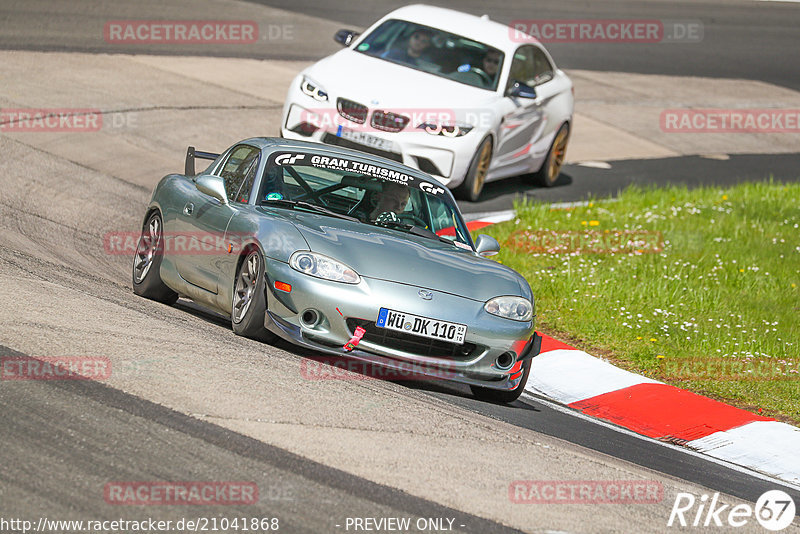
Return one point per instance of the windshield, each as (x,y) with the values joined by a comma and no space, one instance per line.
(364,192)
(436,52)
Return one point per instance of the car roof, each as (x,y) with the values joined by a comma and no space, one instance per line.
(291,144)
(482,29)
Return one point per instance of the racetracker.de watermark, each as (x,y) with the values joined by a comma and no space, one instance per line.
(50,120)
(720,369)
(336,368)
(181,493)
(180,32)
(606,31)
(586,242)
(178,243)
(730,120)
(55,368)
(585,492)
(358,119)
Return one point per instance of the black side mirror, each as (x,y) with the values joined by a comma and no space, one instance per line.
(345,37)
(521,90)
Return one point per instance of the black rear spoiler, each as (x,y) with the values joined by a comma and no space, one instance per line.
(191,154)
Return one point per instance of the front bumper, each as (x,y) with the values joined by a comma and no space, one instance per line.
(335,303)
(446,159)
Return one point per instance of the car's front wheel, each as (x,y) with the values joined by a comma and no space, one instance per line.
(249,299)
(551,168)
(497,395)
(472,186)
(147,263)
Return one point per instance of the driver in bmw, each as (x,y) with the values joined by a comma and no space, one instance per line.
(491,63)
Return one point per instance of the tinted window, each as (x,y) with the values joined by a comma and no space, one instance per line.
(530,66)
(436,52)
(366,192)
(239,172)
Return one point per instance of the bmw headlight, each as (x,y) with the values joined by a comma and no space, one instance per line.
(313,91)
(514,308)
(324,267)
(447,130)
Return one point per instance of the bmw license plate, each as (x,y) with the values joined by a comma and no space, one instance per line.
(421,326)
(363,138)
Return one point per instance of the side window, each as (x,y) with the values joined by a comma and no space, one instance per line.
(542,68)
(243,195)
(239,172)
(530,66)
(522,66)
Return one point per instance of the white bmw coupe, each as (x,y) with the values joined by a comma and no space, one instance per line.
(460,97)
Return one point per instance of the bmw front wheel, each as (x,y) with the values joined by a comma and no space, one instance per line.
(472,186)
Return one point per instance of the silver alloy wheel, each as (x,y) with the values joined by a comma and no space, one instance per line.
(146,250)
(245,286)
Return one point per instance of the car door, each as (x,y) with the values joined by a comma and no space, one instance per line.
(524,119)
(205,220)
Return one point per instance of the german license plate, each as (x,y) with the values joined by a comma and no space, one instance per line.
(421,326)
(364,138)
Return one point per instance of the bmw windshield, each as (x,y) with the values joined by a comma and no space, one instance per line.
(369,193)
(436,52)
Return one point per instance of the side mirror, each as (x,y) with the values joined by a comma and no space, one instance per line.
(521,90)
(213,186)
(345,37)
(486,245)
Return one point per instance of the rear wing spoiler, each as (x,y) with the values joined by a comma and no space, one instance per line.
(191,154)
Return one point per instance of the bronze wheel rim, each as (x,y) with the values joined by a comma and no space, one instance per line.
(484,159)
(559,152)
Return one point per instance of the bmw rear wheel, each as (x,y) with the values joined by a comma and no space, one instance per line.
(249,299)
(147,263)
(551,168)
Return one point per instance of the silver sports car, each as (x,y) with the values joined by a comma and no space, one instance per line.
(343,253)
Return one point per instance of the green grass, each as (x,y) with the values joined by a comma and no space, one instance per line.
(716,311)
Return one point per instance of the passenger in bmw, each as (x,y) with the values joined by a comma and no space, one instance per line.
(419,41)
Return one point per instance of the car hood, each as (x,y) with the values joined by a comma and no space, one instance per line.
(392,255)
(375,82)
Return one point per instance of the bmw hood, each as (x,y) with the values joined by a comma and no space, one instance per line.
(385,254)
(376,82)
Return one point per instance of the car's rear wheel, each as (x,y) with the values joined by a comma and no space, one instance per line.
(147,263)
(249,298)
(497,395)
(551,168)
(472,186)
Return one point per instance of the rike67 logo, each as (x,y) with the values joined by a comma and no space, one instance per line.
(774,510)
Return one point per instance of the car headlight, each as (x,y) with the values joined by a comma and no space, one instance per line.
(514,308)
(324,267)
(313,91)
(447,130)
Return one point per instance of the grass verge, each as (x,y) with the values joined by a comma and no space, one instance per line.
(697,288)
